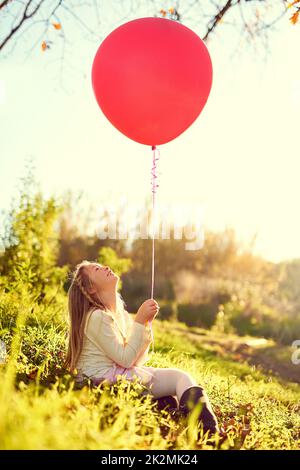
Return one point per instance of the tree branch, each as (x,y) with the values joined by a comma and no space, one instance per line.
(24,18)
(5,2)
(215,20)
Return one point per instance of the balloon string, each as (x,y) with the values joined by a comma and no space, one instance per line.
(155,158)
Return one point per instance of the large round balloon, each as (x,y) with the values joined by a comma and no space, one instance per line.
(151,78)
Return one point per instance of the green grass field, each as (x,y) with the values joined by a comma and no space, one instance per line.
(41,409)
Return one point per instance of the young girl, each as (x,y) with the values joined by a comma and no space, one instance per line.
(104,342)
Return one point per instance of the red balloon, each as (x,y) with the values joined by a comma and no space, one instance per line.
(151,78)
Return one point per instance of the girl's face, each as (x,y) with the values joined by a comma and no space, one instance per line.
(102,277)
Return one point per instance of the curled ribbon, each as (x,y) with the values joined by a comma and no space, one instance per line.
(155,158)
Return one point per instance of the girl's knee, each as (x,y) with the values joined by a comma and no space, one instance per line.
(185,374)
(172,375)
(189,376)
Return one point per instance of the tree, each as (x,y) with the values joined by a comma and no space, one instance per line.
(49,21)
(295,5)
(108,256)
(30,241)
(79,234)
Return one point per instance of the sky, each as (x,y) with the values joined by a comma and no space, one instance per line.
(237,164)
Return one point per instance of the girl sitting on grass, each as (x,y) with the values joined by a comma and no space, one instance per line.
(104,342)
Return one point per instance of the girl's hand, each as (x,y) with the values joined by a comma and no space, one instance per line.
(147,311)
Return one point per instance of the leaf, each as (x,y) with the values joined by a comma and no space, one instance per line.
(290,4)
(294,17)
(32,374)
(57,25)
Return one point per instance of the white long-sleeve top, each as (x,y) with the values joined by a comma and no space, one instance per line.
(103,344)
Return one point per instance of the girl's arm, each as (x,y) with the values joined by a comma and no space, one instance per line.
(143,356)
(101,331)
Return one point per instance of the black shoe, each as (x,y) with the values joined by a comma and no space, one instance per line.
(167,403)
(189,399)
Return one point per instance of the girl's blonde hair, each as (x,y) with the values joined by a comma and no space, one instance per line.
(80,302)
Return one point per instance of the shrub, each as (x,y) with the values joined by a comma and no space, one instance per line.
(167,311)
(202,315)
(136,289)
(30,242)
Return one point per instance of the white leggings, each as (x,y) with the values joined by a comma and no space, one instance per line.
(169,381)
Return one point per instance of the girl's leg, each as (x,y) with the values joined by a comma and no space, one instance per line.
(169,381)
(180,383)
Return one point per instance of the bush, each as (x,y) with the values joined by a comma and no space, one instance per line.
(30,242)
(286,330)
(256,319)
(167,311)
(108,256)
(202,315)
(136,289)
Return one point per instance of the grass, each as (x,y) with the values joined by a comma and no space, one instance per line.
(41,408)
